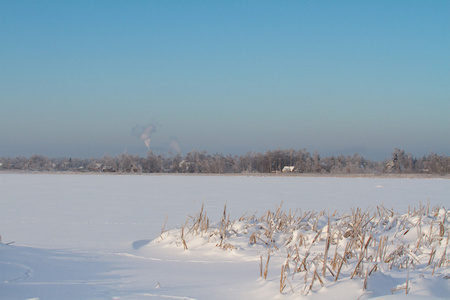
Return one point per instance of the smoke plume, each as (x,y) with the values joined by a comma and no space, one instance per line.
(144,133)
(174,146)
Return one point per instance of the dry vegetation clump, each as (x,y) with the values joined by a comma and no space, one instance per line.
(319,248)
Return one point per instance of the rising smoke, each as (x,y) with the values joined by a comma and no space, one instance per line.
(174,146)
(144,133)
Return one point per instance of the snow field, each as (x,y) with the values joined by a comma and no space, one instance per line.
(96,237)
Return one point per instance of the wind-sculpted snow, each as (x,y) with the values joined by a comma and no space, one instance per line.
(385,252)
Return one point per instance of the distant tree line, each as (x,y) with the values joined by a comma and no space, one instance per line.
(277,161)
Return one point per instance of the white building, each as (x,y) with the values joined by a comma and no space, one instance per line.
(288,169)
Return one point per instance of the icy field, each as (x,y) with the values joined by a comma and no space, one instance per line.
(99,237)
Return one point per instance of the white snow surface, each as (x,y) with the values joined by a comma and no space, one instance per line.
(90,236)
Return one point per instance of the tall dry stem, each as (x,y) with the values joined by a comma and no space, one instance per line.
(266,269)
(327,246)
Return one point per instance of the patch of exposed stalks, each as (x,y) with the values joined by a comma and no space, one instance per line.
(319,248)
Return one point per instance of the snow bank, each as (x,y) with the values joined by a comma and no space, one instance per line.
(385,252)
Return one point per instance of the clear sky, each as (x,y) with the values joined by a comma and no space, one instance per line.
(88,78)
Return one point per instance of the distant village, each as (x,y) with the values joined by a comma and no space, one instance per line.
(277,161)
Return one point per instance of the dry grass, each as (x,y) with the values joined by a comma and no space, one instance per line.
(353,245)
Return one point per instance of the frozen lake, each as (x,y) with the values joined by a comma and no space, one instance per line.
(97,217)
(113,210)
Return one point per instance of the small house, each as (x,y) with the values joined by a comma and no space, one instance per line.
(288,169)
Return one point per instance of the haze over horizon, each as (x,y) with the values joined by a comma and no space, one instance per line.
(86,78)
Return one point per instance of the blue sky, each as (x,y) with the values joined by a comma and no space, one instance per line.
(79,78)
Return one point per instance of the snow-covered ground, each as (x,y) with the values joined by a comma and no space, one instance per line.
(96,236)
